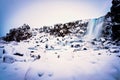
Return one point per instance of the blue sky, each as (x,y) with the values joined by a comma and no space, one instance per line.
(36,13)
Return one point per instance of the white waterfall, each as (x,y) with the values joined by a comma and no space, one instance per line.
(94,28)
(90,27)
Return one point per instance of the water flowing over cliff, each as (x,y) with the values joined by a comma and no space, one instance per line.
(94,27)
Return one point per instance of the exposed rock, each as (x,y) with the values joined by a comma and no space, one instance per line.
(3,51)
(58,56)
(106,47)
(84,48)
(75,45)
(93,43)
(32,51)
(99,53)
(107,26)
(118,43)
(18,54)
(18,34)
(118,56)
(35,57)
(62,30)
(115,15)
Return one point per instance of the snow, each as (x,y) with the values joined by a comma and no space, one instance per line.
(62,62)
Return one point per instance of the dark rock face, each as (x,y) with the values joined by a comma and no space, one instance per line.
(76,27)
(107,26)
(115,16)
(18,34)
(60,30)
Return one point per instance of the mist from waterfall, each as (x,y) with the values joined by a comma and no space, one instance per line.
(94,28)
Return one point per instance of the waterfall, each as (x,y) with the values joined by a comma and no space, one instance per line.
(90,27)
(94,28)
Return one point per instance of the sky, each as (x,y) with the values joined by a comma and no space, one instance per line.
(38,13)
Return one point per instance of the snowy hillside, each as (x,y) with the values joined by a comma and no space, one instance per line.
(50,56)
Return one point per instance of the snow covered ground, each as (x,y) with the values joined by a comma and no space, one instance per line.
(45,57)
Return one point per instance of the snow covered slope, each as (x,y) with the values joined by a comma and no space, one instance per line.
(46,57)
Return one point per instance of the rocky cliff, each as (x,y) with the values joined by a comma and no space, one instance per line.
(115,16)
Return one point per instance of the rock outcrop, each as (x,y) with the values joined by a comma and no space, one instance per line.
(18,34)
(115,16)
(77,28)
